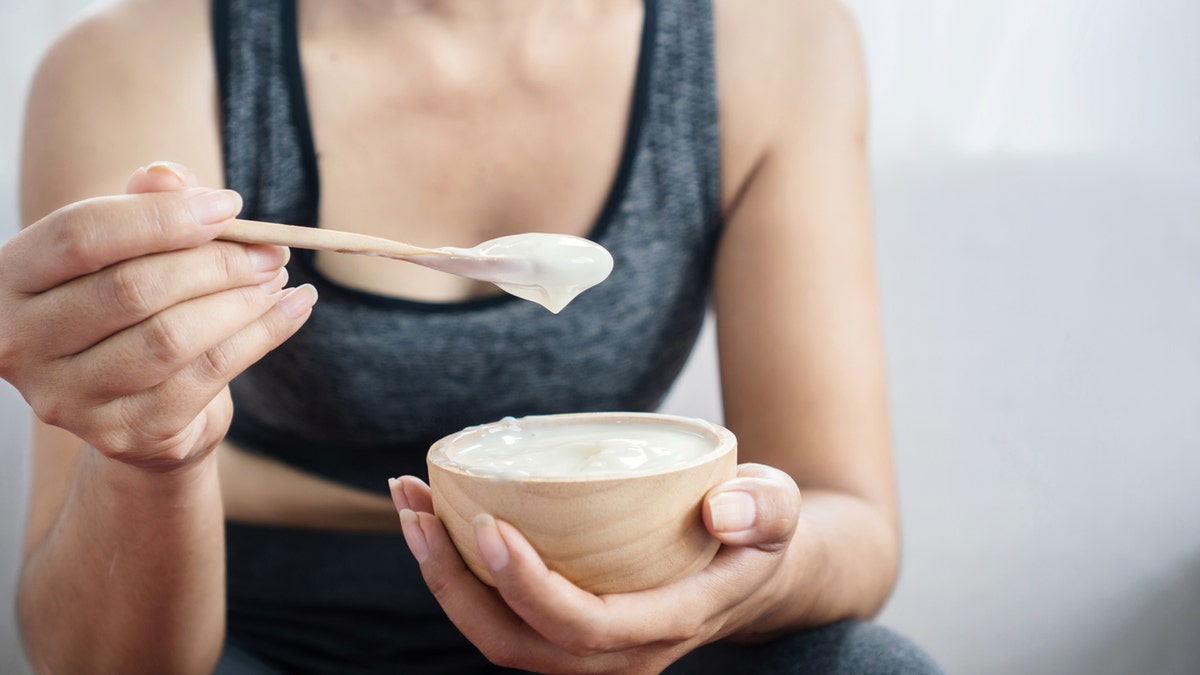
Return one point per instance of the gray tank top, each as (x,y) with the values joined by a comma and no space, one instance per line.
(370,381)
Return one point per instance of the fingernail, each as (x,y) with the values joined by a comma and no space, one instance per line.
(414,536)
(215,206)
(276,284)
(166,169)
(297,301)
(264,258)
(399,499)
(491,544)
(732,511)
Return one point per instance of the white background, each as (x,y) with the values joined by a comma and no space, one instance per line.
(1038,220)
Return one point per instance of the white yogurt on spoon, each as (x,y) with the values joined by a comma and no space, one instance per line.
(549,269)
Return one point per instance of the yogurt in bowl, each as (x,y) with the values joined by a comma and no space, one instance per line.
(612,501)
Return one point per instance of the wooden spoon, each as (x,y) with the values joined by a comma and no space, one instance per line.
(549,269)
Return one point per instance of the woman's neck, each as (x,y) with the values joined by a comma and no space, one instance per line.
(484,31)
(461,12)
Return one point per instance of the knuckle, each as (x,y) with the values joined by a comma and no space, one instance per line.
(688,626)
(9,356)
(231,262)
(439,586)
(18,337)
(74,241)
(128,435)
(5,263)
(159,218)
(215,364)
(128,289)
(164,339)
(48,409)
(585,641)
(56,400)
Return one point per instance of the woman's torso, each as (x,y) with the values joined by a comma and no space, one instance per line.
(614,137)
(373,378)
(185,125)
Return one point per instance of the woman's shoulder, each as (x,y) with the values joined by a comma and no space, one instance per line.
(785,38)
(135,37)
(784,67)
(128,82)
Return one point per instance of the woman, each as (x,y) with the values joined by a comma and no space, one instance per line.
(709,148)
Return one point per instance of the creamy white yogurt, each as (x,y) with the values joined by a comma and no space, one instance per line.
(511,449)
(549,269)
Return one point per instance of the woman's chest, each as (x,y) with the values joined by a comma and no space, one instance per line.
(441,154)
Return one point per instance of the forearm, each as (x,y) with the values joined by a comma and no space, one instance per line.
(264,491)
(130,578)
(842,563)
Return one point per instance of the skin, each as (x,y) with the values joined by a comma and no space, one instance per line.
(513,118)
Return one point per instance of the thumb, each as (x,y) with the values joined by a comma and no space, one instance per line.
(161,177)
(759,508)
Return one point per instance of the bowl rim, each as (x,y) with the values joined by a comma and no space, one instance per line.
(724,442)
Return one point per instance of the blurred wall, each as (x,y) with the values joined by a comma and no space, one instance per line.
(1029,77)
(26,29)
(1038,219)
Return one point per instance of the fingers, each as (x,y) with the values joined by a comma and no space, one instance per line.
(125,321)
(482,616)
(87,236)
(467,601)
(541,621)
(177,400)
(145,354)
(127,293)
(759,508)
(410,492)
(535,619)
(579,622)
(148,424)
(582,623)
(216,366)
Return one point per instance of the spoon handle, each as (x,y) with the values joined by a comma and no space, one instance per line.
(255,232)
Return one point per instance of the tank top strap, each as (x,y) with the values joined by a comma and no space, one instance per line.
(266,136)
(682,134)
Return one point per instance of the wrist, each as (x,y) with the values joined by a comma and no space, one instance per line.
(148,478)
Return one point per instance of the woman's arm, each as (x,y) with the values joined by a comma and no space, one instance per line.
(803,381)
(109,334)
(797,309)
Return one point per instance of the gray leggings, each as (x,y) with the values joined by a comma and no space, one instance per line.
(843,648)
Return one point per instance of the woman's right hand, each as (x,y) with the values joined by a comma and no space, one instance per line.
(125,319)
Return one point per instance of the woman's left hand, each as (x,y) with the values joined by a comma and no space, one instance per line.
(537,620)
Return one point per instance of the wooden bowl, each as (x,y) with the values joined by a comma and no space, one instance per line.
(606,534)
